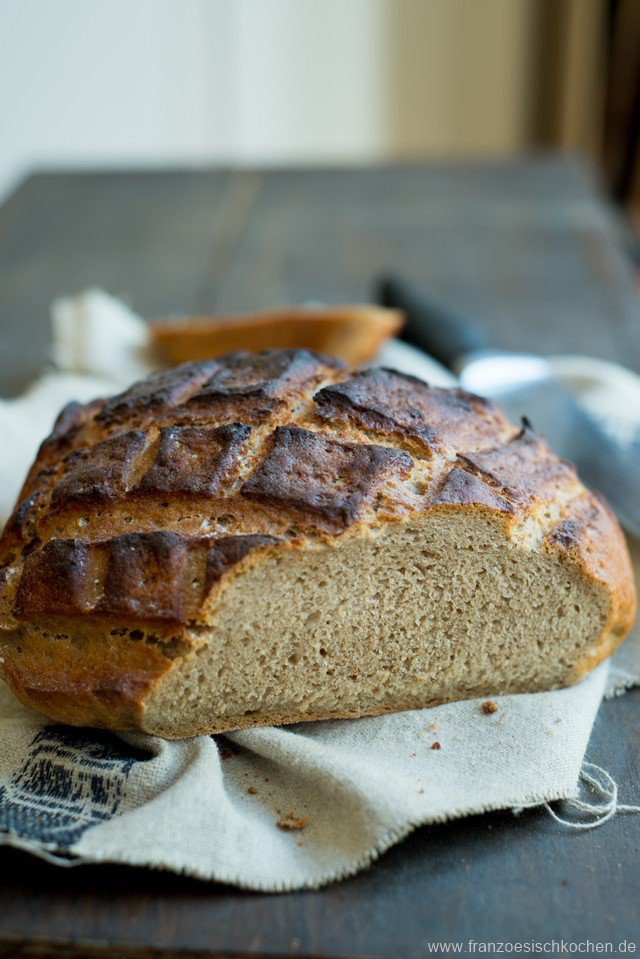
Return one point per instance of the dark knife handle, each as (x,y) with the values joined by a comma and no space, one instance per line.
(428,325)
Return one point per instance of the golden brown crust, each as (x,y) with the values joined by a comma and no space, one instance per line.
(156,395)
(460,488)
(403,407)
(57,580)
(100,473)
(593,541)
(322,479)
(524,469)
(105,686)
(253,386)
(194,460)
(141,507)
(135,578)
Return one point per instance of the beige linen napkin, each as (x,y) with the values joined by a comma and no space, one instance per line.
(268,809)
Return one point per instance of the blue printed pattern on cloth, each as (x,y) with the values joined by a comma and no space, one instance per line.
(70,780)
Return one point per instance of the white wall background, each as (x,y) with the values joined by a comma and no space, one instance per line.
(97,83)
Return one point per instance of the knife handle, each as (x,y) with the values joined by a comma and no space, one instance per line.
(428,325)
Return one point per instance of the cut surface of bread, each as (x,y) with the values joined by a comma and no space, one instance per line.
(272,538)
(354,333)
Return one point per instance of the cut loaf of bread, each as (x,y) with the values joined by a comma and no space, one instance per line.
(270,538)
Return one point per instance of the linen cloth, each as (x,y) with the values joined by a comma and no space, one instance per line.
(210,806)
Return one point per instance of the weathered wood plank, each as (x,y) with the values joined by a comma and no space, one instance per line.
(147,237)
(527,250)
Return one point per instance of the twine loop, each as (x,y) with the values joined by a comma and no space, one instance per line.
(606,805)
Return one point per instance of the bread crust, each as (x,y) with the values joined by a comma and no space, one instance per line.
(141,510)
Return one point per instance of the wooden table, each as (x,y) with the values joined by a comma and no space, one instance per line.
(528,250)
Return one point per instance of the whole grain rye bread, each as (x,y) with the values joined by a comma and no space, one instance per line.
(271,538)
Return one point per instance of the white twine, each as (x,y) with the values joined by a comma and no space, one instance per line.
(605,788)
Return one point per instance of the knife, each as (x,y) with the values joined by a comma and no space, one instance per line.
(524,386)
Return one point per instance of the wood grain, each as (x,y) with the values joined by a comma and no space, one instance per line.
(148,238)
(526,250)
(529,250)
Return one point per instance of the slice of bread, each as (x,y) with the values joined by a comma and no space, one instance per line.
(271,538)
(354,333)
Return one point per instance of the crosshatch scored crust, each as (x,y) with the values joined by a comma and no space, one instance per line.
(271,538)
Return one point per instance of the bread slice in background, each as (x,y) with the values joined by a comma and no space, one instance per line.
(352,333)
(272,538)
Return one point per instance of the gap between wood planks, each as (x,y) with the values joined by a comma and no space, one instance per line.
(231,223)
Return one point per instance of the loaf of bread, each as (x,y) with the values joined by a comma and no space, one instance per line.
(270,538)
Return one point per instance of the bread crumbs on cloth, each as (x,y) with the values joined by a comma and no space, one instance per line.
(489,707)
(291,822)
